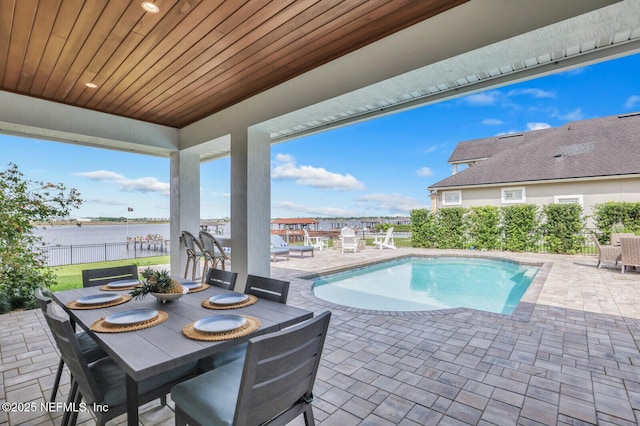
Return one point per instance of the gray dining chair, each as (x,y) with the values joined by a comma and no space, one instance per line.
(102,383)
(221,278)
(102,276)
(273,383)
(262,287)
(89,348)
(267,288)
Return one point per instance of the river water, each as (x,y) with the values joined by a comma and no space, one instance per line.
(97,234)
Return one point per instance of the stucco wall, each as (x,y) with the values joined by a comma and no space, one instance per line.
(592,191)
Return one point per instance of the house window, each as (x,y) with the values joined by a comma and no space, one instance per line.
(514,195)
(452,198)
(567,199)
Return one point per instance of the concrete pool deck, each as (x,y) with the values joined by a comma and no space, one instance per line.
(571,357)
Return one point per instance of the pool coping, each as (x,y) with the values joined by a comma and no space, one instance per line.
(522,312)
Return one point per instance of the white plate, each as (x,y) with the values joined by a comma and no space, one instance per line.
(191,284)
(123,283)
(228,298)
(133,316)
(219,323)
(98,299)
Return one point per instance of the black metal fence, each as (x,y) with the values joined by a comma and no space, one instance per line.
(58,255)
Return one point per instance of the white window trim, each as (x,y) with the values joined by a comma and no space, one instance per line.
(514,188)
(455,203)
(580,198)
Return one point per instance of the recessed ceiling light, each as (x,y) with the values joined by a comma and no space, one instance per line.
(150,7)
(91,85)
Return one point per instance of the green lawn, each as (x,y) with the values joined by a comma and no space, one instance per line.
(70,276)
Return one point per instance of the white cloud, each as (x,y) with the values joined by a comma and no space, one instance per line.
(393,203)
(537,126)
(286,168)
(632,101)
(431,149)
(144,184)
(536,93)
(492,122)
(285,158)
(574,115)
(482,99)
(315,211)
(425,172)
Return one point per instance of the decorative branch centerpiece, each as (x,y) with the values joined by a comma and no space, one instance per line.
(160,285)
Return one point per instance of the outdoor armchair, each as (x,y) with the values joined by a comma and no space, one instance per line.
(606,253)
(630,252)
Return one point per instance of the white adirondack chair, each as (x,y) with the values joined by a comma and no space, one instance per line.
(387,242)
(349,239)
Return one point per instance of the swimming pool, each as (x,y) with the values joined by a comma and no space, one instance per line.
(418,284)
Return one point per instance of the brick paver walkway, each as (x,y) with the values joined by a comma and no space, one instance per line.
(569,355)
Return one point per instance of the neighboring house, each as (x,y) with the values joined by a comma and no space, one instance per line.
(587,162)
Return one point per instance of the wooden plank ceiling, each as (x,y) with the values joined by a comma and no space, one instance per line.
(191,59)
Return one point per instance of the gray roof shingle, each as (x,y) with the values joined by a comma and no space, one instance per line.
(606,146)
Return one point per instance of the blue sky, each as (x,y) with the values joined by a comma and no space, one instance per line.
(380,167)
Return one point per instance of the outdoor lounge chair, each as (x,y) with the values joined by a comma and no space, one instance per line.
(349,239)
(272,384)
(277,241)
(630,252)
(606,253)
(387,242)
(278,250)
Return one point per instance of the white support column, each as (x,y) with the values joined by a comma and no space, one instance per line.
(250,204)
(184,204)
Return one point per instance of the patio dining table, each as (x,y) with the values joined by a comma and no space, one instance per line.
(147,352)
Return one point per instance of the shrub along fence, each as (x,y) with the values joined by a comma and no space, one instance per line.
(617,217)
(555,228)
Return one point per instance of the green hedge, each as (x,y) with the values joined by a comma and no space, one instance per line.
(518,228)
(563,227)
(617,216)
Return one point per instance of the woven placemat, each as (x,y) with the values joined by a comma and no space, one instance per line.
(101,326)
(249,327)
(107,288)
(123,299)
(250,301)
(201,287)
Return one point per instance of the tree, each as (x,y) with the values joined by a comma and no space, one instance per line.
(24,205)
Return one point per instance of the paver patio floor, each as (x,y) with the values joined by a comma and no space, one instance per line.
(569,355)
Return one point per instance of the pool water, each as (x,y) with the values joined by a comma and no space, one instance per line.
(418,284)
